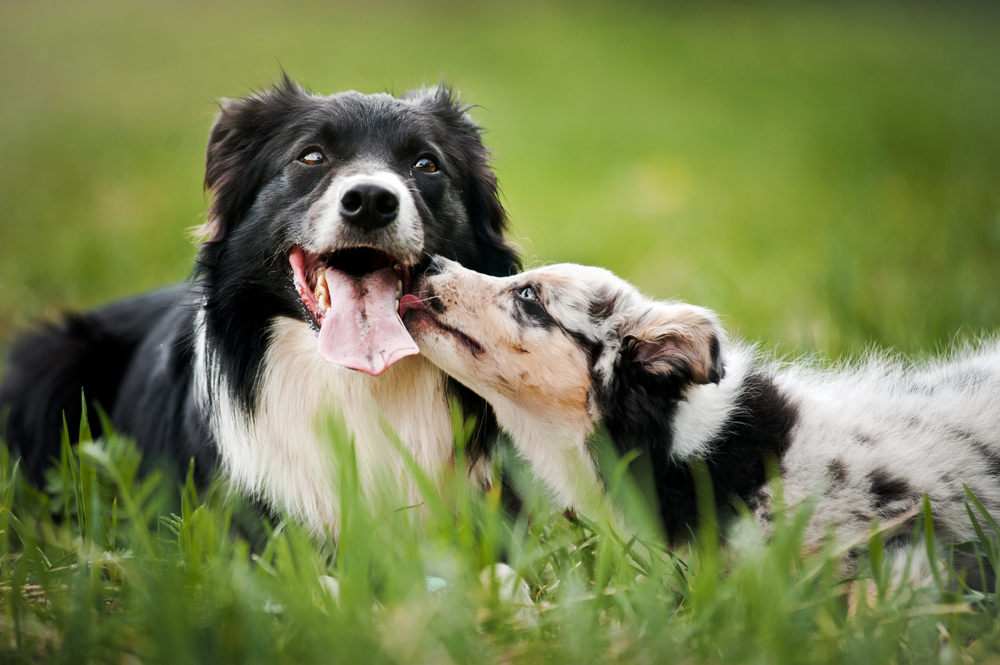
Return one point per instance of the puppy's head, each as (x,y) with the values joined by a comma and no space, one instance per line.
(569,343)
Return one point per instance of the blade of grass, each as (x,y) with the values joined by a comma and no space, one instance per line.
(930,544)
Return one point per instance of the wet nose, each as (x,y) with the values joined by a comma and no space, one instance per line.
(369,206)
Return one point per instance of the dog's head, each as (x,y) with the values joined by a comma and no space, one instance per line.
(325,207)
(570,343)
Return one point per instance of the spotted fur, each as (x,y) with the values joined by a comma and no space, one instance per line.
(565,348)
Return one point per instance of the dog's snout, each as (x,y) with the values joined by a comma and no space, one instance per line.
(369,206)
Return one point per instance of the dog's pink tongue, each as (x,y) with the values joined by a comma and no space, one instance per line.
(361,329)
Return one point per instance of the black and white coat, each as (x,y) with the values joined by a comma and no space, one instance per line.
(225,368)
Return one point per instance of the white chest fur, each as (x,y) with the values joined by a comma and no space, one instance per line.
(281,453)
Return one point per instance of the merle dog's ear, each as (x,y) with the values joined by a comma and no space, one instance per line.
(680,341)
(487,215)
(234,171)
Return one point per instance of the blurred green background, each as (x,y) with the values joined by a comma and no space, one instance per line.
(825,175)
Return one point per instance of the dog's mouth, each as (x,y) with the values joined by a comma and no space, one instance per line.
(414,311)
(310,271)
(354,298)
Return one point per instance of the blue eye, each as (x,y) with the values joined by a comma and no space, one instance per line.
(528,293)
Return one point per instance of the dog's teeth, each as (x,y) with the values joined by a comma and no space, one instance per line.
(322,292)
(398,268)
(397,304)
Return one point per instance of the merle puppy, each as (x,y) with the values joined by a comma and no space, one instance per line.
(563,349)
(324,209)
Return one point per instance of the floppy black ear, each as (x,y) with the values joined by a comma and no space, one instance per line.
(487,215)
(682,342)
(233,170)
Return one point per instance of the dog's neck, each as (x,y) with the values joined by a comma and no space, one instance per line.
(700,418)
(556,451)
(560,454)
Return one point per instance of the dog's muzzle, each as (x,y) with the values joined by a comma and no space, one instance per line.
(361,241)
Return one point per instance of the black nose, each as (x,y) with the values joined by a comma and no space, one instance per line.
(369,206)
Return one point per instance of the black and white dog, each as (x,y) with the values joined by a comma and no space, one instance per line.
(324,209)
(561,349)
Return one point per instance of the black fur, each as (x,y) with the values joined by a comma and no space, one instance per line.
(530,313)
(485,430)
(638,407)
(887,489)
(136,358)
(593,348)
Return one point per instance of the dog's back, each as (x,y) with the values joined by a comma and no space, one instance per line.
(881,434)
(47,369)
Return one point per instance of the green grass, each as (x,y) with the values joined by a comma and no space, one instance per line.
(825,175)
(108,567)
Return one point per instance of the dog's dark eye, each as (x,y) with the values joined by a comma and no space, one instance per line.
(312,157)
(528,293)
(426,164)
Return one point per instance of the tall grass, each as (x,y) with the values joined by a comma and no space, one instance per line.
(110,566)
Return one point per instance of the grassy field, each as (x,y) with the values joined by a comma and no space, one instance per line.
(825,175)
(105,567)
